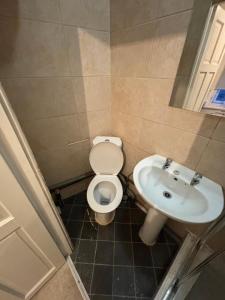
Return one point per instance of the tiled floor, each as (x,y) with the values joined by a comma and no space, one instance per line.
(111,260)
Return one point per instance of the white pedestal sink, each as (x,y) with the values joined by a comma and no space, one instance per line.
(170,194)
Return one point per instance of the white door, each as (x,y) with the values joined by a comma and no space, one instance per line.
(28,254)
(209,63)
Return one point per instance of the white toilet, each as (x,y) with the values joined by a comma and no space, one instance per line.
(105,191)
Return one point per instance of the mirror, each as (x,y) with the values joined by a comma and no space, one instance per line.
(200,81)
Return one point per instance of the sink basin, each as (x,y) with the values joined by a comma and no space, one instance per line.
(170,194)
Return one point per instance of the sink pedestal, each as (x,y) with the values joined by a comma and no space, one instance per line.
(154,222)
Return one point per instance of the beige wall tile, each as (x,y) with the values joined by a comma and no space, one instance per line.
(64,163)
(197,123)
(127,127)
(95,123)
(213,161)
(45,65)
(36,98)
(150,50)
(132,156)
(131,50)
(46,10)
(137,96)
(129,13)
(89,52)
(52,133)
(182,146)
(173,6)
(31,48)
(170,37)
(219,133)
(92,93)
(86,13)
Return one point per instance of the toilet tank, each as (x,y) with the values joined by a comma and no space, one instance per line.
(112,139)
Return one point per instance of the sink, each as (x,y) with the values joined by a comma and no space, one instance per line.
(170,194)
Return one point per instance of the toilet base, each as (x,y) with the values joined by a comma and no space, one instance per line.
(104,219)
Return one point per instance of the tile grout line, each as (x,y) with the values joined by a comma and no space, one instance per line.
(96,241)
(123,266)
(113,270)
(132,249)
(153,267)
(159,243)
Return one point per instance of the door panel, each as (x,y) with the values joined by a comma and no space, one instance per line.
(28,254)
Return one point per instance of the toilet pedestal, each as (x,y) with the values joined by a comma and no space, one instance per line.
(104,219)
(154,222)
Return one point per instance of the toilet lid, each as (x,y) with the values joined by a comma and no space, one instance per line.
(106,158)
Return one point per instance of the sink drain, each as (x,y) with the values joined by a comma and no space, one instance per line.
(167,195)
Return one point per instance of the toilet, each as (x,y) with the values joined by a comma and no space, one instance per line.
(105,191)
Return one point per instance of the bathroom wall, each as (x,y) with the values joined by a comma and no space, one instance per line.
(147,39)
(55,68)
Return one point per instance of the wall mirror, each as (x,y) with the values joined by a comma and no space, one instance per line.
(200,81)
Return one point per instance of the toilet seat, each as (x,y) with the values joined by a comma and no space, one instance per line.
(103,187)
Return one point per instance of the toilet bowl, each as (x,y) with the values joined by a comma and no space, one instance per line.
(105,191)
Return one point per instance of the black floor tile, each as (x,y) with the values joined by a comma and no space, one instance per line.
(85,272)
(97,248)
(65,211)
(125,203)
(161,237)
(102,280)
(104,253)
(137,216)
(170,238)
(123,298)
(142,255)
(161,256)
(101,297)
(80,199)
(122,215)
(106,233)
(86,251)
(135,232)
(145,282)
(74,228)
(77,213)
(89,215)
(75,243)
(122,232)
(123,281)
(123,254)
(173,249)
(89,231)
(160,273)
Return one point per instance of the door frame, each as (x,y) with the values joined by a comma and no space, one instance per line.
(21,160)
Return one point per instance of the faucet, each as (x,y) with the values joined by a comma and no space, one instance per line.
(167,163)
(196,179)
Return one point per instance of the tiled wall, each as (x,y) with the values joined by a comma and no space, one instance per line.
(55,68)
(147,39)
